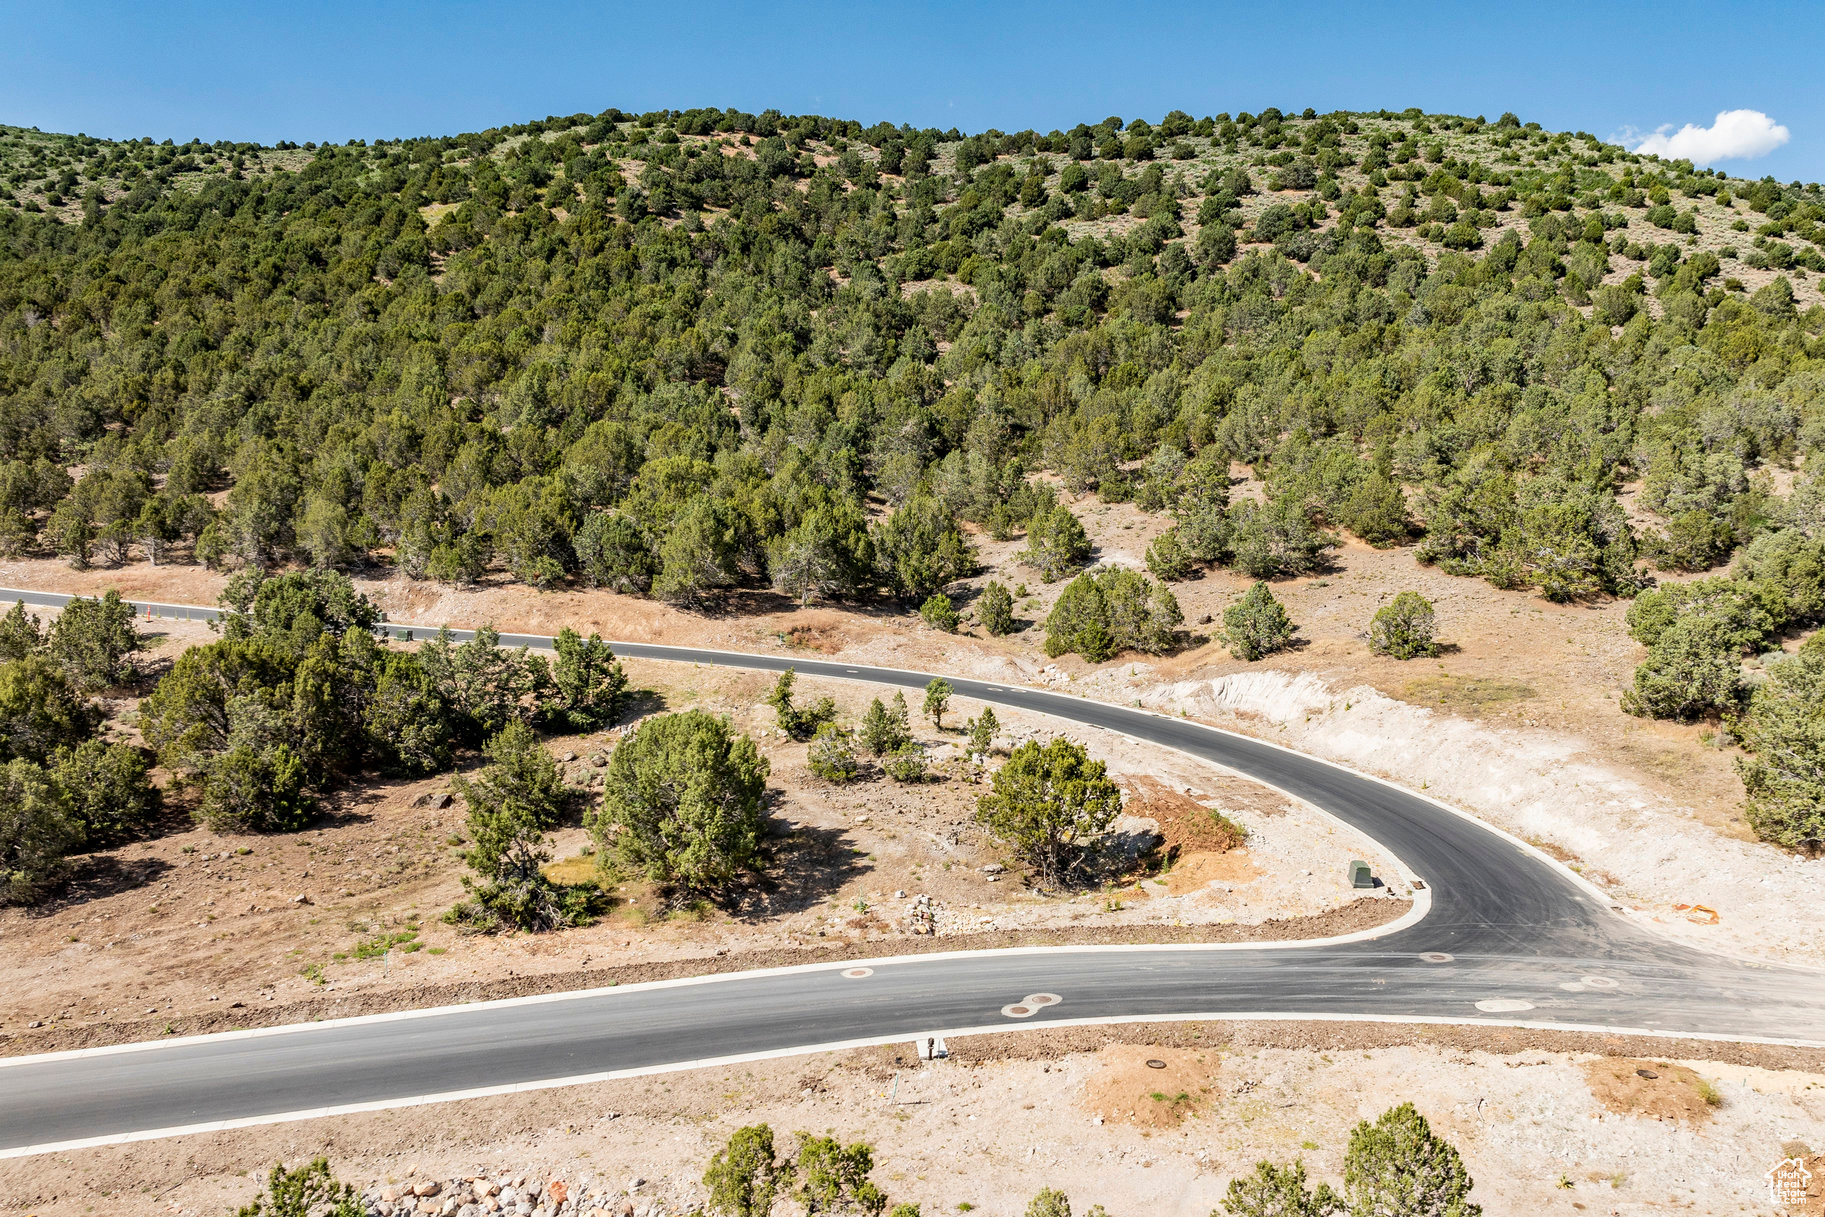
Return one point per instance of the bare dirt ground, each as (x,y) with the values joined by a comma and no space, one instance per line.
(195,931)
(1543,1124)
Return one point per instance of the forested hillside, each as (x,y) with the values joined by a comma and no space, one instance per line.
(683,351)
(680,352)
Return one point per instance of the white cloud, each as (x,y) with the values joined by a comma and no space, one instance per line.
(1736,135)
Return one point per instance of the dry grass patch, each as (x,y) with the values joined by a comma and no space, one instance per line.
(1466,695)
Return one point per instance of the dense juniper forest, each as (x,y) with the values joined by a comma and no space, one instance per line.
(689,353)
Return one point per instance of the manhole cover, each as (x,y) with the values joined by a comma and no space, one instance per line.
(1649,1074)
(1600,982)
(1436,957)
(858,973)
(1156,1064)
(1016,1011)
(1042,999)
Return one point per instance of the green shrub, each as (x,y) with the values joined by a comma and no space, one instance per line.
(905,764)
(1256,625)
(1050,804)
(886,730)
(1056,543)
(831,757)
(1405,629)
(36,831)
(938,613)
(995,609)
(796,723)
(682,803)
(1398,1167)
(308,1191)
(1784,730)
(1111,609)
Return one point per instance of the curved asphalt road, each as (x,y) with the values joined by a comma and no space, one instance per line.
(1504,923)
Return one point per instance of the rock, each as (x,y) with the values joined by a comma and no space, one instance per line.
(35,1023)
(569,757)
(599,759)
(899,894)
(301,898)
(441,801)
(558,1191)
(994,868)
(430,1187)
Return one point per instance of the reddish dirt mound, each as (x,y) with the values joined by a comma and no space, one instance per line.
(1125,1089)
(1187,825)
(1651,1089)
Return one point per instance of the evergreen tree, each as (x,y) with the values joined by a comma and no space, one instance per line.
(937,700)
(681,803)
(995,609)
(1049,805)
(36,831)
(516,801)
(1404,629)
(1256,625)
(95,641)
(1398,1167)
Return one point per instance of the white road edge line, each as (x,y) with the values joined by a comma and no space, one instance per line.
(453,1096)
(1422,904)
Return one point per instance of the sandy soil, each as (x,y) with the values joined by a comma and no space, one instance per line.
(196,931)
(1542,1124)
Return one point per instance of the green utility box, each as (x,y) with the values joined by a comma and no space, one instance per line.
(1359,874)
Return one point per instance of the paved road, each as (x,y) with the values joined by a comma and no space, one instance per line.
(1504,925)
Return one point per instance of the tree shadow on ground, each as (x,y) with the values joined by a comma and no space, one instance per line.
(98,876)
(809,865)
(639,704)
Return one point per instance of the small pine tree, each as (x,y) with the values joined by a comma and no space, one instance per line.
(1256,625)
(983,729)
(937,700)
(831,757)
(745,1175)
(1279,1191)
(1405,629)
(1396,1166)
(881,731)
(796,723)
(939,613)
(309,1191)
(995,609)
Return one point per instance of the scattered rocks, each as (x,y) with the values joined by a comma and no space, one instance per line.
(921,916)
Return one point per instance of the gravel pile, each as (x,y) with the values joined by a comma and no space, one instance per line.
(515,1195)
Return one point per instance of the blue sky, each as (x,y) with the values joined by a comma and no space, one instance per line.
(328,71)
